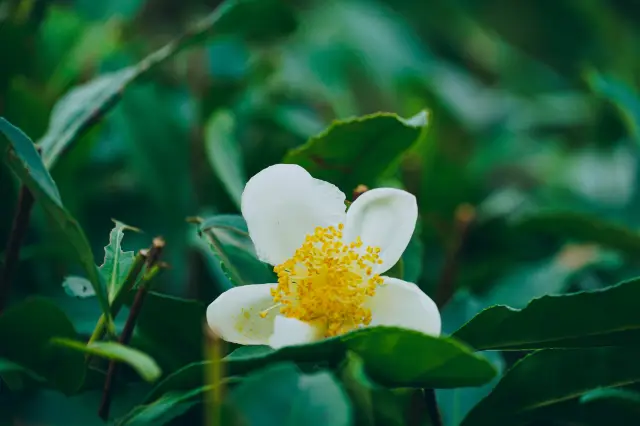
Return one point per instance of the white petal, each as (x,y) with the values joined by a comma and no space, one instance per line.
(235,314)
(385,218)
(282,204)
(290,331)
(402,304)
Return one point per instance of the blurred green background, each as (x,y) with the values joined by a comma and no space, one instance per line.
(534,113)
(528,180)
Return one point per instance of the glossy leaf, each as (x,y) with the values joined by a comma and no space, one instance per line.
(549,377)
(29,327)
(586,319)
(281,395)
(389,354)
(23,159)
(139,361)
(358,150)
(223,153)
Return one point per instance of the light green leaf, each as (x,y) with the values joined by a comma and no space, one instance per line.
(22,158)
(28,328)
(281,395)
(389,354)
(358,150)
(545,378)
(139,361)
(116,263)
(223,152)
(585,319)
(78,287)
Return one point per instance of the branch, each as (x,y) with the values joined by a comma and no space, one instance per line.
(464,217)
(18,231)
(153,257)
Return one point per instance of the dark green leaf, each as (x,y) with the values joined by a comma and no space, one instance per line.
(582,228)
(164,409)
(85,105)
(585,319)
(139,361)
(359,150)
(455,403)
(229,240)
(389,354)
(170,328)
(548,377)
(223,152)
(23,159)
(282,396)
(376,405)
(188,377)
(622,96)
(27,329)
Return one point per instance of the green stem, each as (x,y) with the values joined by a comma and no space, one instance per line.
(118,301)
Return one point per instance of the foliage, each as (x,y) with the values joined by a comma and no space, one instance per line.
(515,124)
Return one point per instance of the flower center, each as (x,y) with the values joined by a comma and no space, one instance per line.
(327,281)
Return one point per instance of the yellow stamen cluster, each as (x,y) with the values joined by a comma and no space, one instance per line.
(328,281)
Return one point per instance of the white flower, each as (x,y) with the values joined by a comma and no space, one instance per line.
(329,263)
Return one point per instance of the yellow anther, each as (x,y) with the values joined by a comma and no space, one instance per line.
(327,281)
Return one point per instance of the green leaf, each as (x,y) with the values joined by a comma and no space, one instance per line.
(170,328)
(585,319)
(229,240)
(358,150)
(581,228)
(223,153)
(622,96)
(185,378)
(22,158)
(27,328)
(548,377)
(455,403)
(85,105)
(612,406)
(78,287)
(164,409)
(116,263)
(281,395)
(144,365)
(389,354)
(376,405)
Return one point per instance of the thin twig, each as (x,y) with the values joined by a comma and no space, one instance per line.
(432,407)
(464,216)
(18,231)
(153,257)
